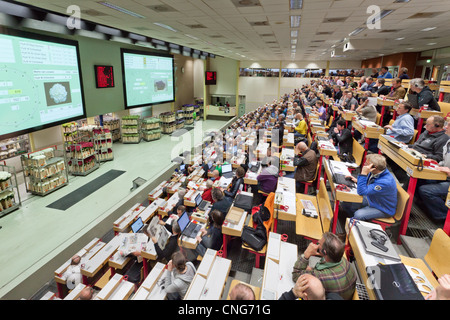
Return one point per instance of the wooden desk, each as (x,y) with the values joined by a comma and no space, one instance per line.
(365,260)
(85,254)
(251,178)
(280,260)
(190,243)
(287,210)
(232,230)
(189,197)
(158,191)
(369,130)
(287,159)
(118,288)
(326,149)
(288,140)
(168,205)
(91,267)
(152,287)
(151,210)
(408,163)
(339,195)
(210,278)
(124,222)
(75,293)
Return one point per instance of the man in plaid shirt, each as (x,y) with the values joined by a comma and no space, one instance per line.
(335,272)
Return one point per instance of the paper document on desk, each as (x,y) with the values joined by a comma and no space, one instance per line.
(308,205)
(159,232)
(132,242)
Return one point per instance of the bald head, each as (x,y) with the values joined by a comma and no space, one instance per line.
(309,287)
(242,291)
(86,293)
(301,146)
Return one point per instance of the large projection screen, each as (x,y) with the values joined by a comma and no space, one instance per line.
(148,78)
(40,82)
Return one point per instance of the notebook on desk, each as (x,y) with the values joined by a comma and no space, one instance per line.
(393,282)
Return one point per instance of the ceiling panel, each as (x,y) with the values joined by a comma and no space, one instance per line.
(251,24)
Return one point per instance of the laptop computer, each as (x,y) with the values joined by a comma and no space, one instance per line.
(188,228)
(372,246)
(137,225)
(393,282)
(202,205)
(227,171)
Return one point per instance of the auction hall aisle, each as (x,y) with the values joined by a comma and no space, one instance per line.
(34,234)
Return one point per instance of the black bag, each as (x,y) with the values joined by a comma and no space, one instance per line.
(347,158)
(256,237)
(244,202)
(251,237)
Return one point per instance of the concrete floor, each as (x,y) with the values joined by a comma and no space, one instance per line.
(34,234)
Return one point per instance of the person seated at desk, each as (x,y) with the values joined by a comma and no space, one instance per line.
(207,192)
(180,275)
(432,141)
(237,183)
(403,127)
(320,110)
(309,287)
(171,245)
(349,102)
(333,269)
(397,90)
(221,202)
(380,88)
(424,94)
(378,188)
(181,194)
(174,217)
(434,192)
(211,236)
(367,110)
(305,162)
(342,138)
(370,84)
(385,74)
(302,128)
(215,175)
(268,178)
(279,125)
(242,291)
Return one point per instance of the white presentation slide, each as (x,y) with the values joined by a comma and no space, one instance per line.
(39,83)
(148,79)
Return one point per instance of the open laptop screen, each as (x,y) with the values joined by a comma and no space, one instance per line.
(226,168)
(183,221)
(198,199)
(137,225)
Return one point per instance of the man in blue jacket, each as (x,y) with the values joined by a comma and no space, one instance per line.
(378,188)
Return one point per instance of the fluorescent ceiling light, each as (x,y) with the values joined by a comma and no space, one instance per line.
(356,31)
(383,14)
(294,33)
(192,37)
(295,21)
(431,44)
(428,29)
(293,46)
(295,4)
(165,26)
(398,39)
(120,9)
(294,41)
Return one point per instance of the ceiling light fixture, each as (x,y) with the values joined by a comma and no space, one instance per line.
(356,31)
(190,36)
(120,9)
(295,21)
(398,39)
(428,29)
(165,26)
(295,4)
